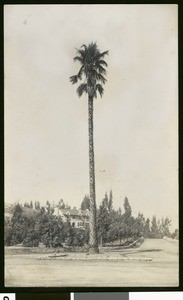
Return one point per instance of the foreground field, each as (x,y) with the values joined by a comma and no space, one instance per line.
(155,263)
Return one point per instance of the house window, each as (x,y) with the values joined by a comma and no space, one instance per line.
(80,224)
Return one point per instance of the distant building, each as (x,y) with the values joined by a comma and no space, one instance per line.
(8,211)
(8,216)
(75,217)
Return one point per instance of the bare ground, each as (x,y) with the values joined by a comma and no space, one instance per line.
(154,263)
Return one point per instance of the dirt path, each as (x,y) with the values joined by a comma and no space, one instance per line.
(29,271)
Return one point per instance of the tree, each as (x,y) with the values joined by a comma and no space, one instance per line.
(140,224)
(127,207)
(103,220)
(50,229)
(37,205)
(110,202)
(49,208)
(175,234)
(154,228)
(114,230)
(61,204)
(164,227)
(85,203)
(8,232)
(18,225)
(31,239)
(93,70)
(147,230)
(105,202)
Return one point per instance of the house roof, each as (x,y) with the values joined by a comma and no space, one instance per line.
(74,212)
(8,215)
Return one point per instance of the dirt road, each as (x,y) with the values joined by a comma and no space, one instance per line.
(162,270)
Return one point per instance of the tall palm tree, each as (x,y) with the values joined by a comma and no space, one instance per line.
(92,72)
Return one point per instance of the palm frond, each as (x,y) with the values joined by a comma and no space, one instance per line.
(104,53)
(85,47)
(101,55)
(79,58)
(101,69)
(100,89)
(102,62)
(80,72)
(96,76)
(81,89)
(74,79)
(82,53)
(92,51)
(101,78)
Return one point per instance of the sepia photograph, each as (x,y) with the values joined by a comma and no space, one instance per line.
(91,146)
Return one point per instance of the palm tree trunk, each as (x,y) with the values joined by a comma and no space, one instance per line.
(93,229)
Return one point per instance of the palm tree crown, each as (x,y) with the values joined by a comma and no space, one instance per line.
(92,69)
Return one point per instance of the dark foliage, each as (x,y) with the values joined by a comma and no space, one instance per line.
(30,227)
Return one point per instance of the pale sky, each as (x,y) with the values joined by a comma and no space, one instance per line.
(135,122)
